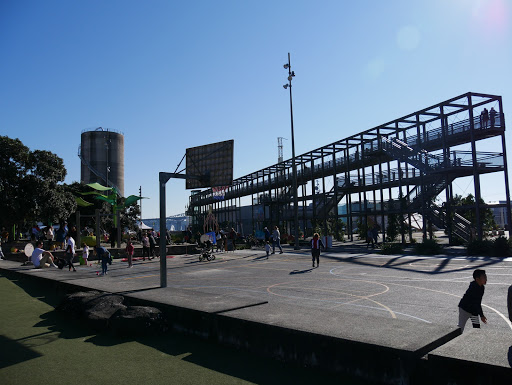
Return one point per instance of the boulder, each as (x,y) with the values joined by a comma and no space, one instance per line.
(94,306)
(99,310)
(76,303)
(138,320)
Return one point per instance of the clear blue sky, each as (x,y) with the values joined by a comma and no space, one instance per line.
(177,74)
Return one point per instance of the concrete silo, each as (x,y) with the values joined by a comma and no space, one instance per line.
(102,157)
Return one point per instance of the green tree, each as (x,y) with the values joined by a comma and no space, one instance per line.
(14,164)
(29,185)
(467,208)
(393,229)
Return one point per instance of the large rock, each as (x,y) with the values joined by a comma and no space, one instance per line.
(95,307)
(100,309)
(138,320)
(76,303)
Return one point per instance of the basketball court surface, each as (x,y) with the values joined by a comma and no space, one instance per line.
(421,289)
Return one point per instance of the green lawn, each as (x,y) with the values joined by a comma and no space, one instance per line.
(40,346)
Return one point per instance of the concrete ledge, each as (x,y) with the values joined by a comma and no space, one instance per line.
(477,357)
(374,348)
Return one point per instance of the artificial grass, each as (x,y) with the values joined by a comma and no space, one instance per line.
(41,346)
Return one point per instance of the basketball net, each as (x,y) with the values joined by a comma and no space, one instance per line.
(219,192)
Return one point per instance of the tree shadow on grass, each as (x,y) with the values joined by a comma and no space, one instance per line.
(14,352)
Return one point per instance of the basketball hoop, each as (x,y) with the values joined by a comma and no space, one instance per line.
(219,192)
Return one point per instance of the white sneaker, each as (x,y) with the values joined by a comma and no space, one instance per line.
(54,265)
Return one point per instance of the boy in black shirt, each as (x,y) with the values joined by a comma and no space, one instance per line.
(470,306)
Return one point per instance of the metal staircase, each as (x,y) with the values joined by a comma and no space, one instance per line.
(429,164)
(329,200)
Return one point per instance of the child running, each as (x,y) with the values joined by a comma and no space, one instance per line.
(470,306)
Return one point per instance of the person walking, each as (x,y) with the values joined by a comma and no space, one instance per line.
(152,244)
(276,240)
(60,236)
(104,256)
(145,246)
(470,306)
(267,234)
(112,237)
(369,238)
(316,244)
(375,235)
(267,248)
(85,253)
(70,251)
(218,241)
(232,236)
(129,252)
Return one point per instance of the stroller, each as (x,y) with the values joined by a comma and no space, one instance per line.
(207,252)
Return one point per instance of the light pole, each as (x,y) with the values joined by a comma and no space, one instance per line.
(291,75)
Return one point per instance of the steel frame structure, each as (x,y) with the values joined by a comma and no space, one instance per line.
(399,168)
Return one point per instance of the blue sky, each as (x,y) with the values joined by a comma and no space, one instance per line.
(177,74)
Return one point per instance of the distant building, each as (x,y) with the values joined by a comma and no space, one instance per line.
(102,156)
(499,212)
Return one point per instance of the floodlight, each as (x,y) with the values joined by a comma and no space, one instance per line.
(286,66)
(285,86)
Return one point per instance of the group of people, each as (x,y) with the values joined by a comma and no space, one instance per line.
(44,259)
(372,236)
(486,115)
(275,237)
(148,246)
(221,240)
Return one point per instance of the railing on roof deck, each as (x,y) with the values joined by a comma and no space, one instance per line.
(456,128)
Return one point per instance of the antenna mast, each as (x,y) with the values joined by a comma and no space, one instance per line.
(280,149)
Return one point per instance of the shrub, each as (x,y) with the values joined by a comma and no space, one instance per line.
(392,248)
(428,247)
(501,247)
(177,238)
(484,247)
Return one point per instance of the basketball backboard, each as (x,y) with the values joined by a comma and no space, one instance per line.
(210,165)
